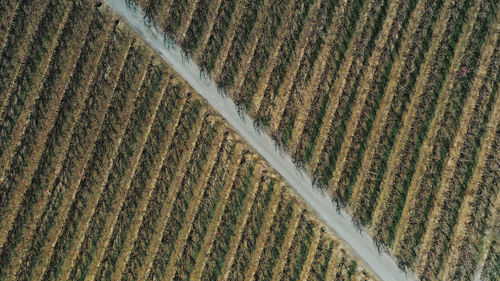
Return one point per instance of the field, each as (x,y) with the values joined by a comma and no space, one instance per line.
(113,168)
(392,106)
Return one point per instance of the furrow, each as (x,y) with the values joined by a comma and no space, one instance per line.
(8,12)
(442,130)
(311,254)
(33,144)
(202,256)
(148,177)
(394,100)
(207,55)
(404,153)
(180,243)
(293,67)
(165,210)
(157,12)
(336,265)
(368,93)
(96,175)
(56,150)
(213,13)
(187,18)
(297,217)
(17,46)
(16,119)
(269,217)
(10,144)
(79,153)
(473,212)
(284,31)
(461,156)
(123,186)
(351,66)
(336,32)
(259,180)
(322,258)
(248,56)
(227,44)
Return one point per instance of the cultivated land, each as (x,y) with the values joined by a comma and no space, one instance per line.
(390,106)
(113,168)
(382,264)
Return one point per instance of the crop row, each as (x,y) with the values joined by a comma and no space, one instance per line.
(343,94)
(148,105)
(211,188)
(257,51)
(491,246)
(22,99)
(116,170)
(404,155)
(17,44)
(317,90)
(40,124)
(229,214)
(462,154)
(265,98)
(479,197)
(80,151)
(266,197)
(190,34)
(322,256)
(48,217)
(298,73)
(361,94)
(256,189)
(51,161)
(208,50)
(442,132)
(221,183)
(343,87)
(98,169)
(230,53)
(174,211)
(176,268)
(148,174)
(298,252)
(369,93)
(184,141)
(405,69)
(8,10)
(340,267)
(273,242)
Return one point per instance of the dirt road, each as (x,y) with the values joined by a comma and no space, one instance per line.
(383,265)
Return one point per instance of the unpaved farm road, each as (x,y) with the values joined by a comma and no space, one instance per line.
(361,244)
